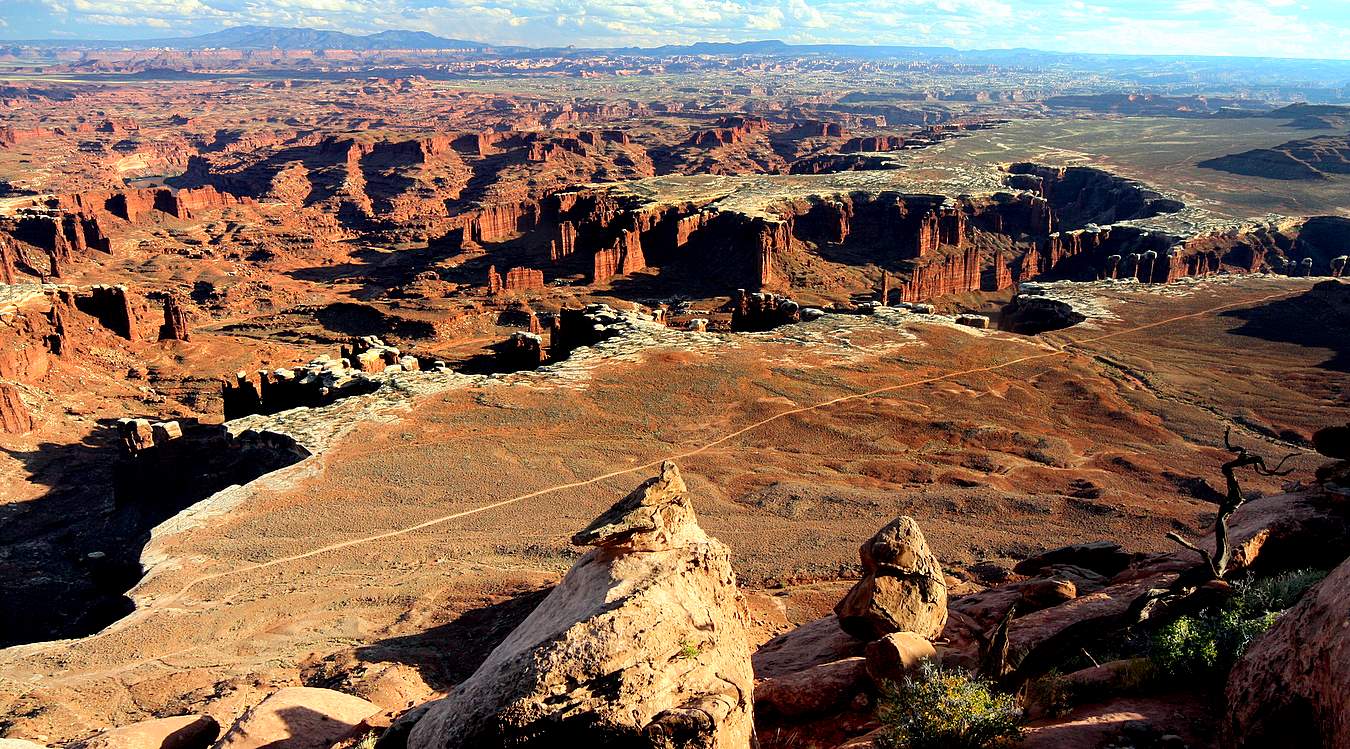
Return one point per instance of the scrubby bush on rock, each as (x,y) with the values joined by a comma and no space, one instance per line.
(936,708)
(1205,646)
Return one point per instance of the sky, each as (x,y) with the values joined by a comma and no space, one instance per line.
(1274,28)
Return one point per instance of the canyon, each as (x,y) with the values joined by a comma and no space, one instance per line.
(312,363)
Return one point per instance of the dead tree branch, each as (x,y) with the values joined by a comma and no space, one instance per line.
(1219,561)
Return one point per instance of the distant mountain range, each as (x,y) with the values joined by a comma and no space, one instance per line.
(276,37)
(1145,69)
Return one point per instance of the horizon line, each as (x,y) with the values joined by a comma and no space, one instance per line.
(56,41)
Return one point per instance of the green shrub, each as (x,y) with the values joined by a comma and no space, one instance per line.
(1275,593)
(1205,647)
(1051,693)
(940,709)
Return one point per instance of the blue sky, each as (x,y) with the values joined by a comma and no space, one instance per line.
(1278,28)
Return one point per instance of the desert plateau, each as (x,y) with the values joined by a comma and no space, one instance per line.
(649,387)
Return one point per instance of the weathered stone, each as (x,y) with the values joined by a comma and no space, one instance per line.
(815,691)
(1103,557)
(298,718)
(1041,594)
(891,657)
(642,644)
(902,589)
(179,732)
(1292,686)
(811,644)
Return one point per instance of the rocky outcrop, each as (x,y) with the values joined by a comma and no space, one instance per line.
(298,718)
(1035,311)
(1292,685)
(316,383)
(729,131)
(873,143)
(9,259)
(522,350)
(176,326)
(179,732)
(902,589)
(14,415)
(760,311)
(642,644)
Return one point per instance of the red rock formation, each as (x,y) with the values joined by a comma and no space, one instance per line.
(501,221)
(604,265)
(112,306)
(14,416)
(775,240)
(631,258)
(564,242)
(950,274)
(818,129)
(190,203)
(729,131)
(625,256)
(687,226)
(10,136)
(494,280)
(480,144)
(874,144)
(175,327)
(8,258)
(885,288)
(521,279)
(1003,272)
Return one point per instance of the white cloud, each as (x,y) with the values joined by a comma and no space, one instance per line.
(1254,27)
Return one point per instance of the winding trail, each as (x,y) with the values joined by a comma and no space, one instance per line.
(164,602)
(1065,350)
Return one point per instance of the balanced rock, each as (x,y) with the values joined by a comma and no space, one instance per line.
(298,718)
(642,644)
(1292,686)
(902,589)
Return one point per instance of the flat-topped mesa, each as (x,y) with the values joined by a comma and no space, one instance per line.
(729,131)
(643,644)
(874,144)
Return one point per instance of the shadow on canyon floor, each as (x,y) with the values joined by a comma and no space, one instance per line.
(1318,318)
(68,556)
(448,654)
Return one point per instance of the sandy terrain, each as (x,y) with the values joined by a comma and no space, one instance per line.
(796,443)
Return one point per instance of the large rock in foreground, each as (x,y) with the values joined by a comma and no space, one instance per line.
(642,644)
(298,718)
(1292,687)
(902,589)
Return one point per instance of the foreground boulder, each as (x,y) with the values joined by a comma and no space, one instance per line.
(298,718)
(1292,687)
(179,732)
(642,644)
(902,589)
